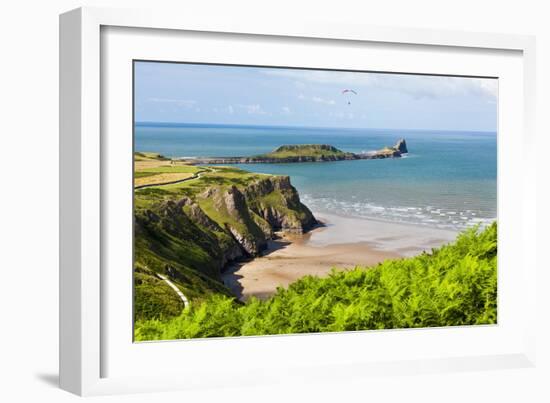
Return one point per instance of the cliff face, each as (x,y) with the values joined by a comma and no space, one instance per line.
(278,203)
(192,239)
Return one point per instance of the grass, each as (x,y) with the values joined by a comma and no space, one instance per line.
(147,156)
(452,286)
(154,298)
(176,244)
(213,176)
(161,178)
(304,150)
(141,174)
(173,169)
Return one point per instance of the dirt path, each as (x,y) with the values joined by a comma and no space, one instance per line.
(176,289)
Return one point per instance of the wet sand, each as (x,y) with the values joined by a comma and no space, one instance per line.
(343,243)
(403,239)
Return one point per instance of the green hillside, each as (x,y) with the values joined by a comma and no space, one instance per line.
(306,150)
(189,231)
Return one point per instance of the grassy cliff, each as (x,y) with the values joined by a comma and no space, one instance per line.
(452,286)
(189,230)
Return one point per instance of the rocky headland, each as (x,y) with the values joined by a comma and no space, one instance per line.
(191,236)
(296,153)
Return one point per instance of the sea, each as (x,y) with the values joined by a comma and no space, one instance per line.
(447,180)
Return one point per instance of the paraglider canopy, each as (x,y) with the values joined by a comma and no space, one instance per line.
(348,92)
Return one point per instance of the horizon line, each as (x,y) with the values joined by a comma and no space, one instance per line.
(145,122)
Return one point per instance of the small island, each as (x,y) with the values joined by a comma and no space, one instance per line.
(295,153)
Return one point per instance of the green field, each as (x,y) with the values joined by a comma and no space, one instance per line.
(145,156)
(172,169)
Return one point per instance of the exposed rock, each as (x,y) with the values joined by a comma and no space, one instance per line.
(245,230)
(264,225)
(401,146)
(251,245)
(198,216)
(234,202)
(278,203)
(230,249)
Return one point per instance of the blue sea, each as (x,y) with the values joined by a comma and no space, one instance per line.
(447,180)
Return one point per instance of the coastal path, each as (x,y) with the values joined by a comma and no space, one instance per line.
(176,289)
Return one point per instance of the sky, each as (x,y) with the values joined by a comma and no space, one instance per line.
(193,93)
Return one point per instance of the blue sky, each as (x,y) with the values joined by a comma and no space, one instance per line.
(191,93)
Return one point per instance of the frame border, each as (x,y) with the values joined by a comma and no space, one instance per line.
(80,306)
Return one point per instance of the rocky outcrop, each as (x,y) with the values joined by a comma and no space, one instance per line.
(401,146)
(230,249)
(240,224)
(278,203)
(298,153)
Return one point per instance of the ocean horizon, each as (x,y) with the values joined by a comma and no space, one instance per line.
(447,180)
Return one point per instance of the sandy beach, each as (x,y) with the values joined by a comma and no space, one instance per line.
(342,242)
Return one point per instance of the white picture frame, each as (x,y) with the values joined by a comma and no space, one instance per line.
(85,344)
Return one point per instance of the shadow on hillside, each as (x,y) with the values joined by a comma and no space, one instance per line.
(231,274)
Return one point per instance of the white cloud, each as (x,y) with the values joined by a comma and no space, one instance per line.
(317,99)
(322,76)
(185,103)
(489,86)
(320,100)
(286,110)
(254,109)
(416,86)
(440,86)
(227,109)
(343,115)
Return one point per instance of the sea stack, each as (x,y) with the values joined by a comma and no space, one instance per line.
(401,146)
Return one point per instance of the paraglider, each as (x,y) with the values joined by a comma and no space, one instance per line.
(348,93)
